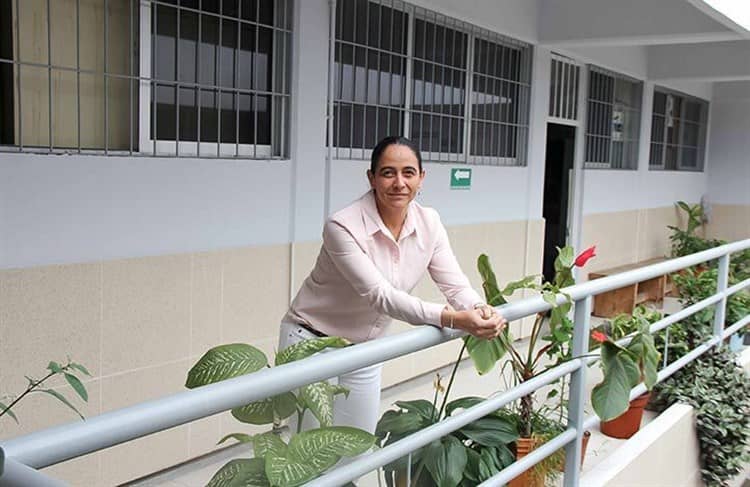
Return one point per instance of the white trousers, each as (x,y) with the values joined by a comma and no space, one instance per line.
(360,409)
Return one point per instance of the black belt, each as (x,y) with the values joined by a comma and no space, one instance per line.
(312,330)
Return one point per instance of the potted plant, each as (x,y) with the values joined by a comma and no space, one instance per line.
(624,367)
(525,365)
(486,446)
(277,463)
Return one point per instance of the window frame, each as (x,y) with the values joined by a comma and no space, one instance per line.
(636,111)
(473,34)
(702,126)
(200,149)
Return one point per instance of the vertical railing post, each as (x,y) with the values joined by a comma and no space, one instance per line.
(721,286)
(577,398)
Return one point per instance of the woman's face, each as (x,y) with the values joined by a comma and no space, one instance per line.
(397,177)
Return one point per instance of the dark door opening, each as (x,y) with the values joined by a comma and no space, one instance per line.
(557,173)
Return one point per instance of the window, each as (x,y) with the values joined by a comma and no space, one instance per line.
(678,132)
(68,78)
(401,69)
(219,78)
(613,120)
(169,77)
(563,88)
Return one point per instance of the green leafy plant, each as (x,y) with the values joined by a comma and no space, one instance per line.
(686,242)
(70,371)
(484,447)
(465,457)
(276,463)
(555,344)
(624,367)
(719,391)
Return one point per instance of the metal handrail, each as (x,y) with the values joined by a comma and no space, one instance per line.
(60,443)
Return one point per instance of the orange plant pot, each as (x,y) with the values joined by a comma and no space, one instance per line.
(527,478)
(628,423)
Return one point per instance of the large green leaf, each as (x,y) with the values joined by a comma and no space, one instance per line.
(489,282)
(224,362)
(318,397)
(258,412)
(420,406)
(446,459)
(266,443)
(491,431)
(262,412)
(647,357)
(305,348)
(399,423)
(528,282)
(462,403)
(241,472)
(484,353)
(312,452)
(611,397)
(284,405)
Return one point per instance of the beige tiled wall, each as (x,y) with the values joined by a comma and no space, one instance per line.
(139,324)
(628,236)
(729,222)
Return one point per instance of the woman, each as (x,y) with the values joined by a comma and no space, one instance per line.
(374,252)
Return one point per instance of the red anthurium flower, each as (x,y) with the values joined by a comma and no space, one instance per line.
(585,256)
(599,336)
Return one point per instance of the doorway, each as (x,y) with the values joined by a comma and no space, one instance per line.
(557,177)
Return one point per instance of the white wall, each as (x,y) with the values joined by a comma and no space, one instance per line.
(729,138)
(61,209)
(629,60)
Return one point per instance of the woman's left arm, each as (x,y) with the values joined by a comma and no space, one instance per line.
(447,274)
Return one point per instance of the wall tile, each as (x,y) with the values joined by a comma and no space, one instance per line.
(146,312)
(48,313)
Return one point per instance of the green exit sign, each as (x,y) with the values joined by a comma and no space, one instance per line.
(460,178)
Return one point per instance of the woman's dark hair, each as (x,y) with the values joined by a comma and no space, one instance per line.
(377,152)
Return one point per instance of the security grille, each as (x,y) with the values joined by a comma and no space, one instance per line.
(204,78)
(613,120)
(461,92)
(678,131)
(563,94)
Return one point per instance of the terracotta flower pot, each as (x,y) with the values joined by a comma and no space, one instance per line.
(527,478)
(628,423)
(584,446)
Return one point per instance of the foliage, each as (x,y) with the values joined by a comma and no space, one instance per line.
(686,242)
(555,344)
(719,391)
(276,463)
(624,366)
(465,457)
(70,371)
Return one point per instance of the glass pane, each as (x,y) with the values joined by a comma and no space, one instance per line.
(689,157)
(208,50)
(693,111)
(655,156)
(690,134)
(660,102)
(163,112)
(164,29)
(227,54)
(188,114)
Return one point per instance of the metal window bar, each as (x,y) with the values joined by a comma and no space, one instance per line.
(598,125)
(681,119)
(436,120)
(563,88)
(60,443)
(107,74)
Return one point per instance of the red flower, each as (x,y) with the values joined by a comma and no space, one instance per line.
(585,256)
(599,336)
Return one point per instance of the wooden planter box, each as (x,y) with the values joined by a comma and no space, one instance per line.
(625,299)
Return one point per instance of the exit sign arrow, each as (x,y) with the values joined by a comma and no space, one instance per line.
(460,178)
(459,175)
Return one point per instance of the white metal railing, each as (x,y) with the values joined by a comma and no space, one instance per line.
(53,445)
